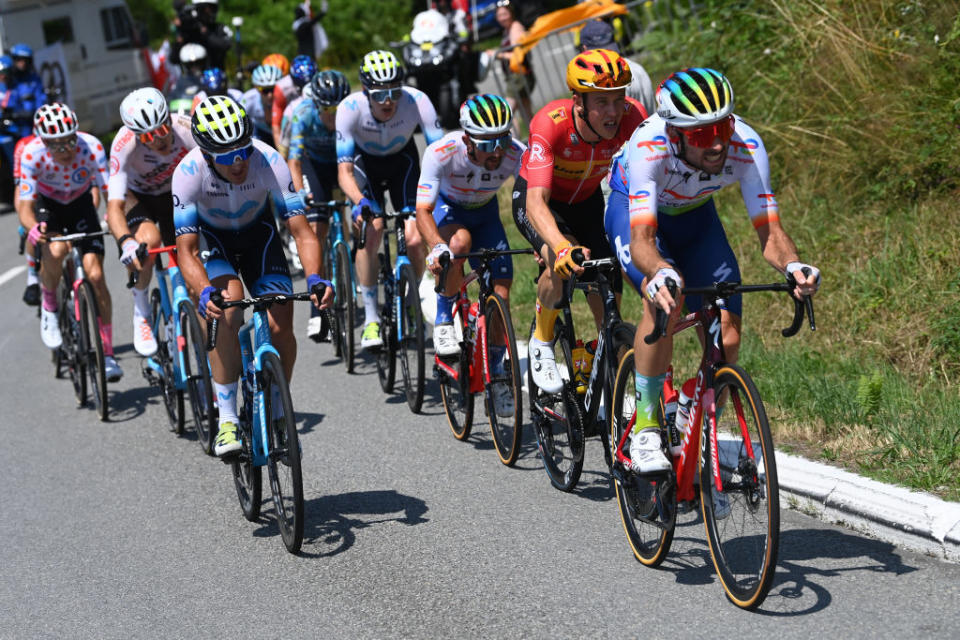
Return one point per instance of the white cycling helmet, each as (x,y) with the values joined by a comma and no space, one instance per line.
(55,120)
(220,124)
(485,114)
(204,2)
(380,67)
(192,52)
(266,75)
(144,110)
(694,97)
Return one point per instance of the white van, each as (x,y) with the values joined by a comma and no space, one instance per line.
(100,52)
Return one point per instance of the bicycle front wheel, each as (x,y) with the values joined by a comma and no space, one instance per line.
(343,308)
(742,520)
(71,353)
(93,347)
(455,392)
(247,477)
(504,399)
(166,350)
(283,461)
(647,504)
(387,353)
(196,373)
(411,345)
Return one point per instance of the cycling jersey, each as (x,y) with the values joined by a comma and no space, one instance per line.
(558,159)
(41,175)
(448,171)
(655,179)
(18,154)
(137,167)
(283,144)
(357,128)
(253,105)
(283,92)
(310,137)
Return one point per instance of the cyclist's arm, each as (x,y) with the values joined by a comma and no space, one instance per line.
(432,131)
(346,115)
(540,216)
(296,151)
(27,209)
(348,183)
(308,247)
(117,219)
(428,188)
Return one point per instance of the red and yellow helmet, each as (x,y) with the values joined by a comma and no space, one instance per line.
(598,70)
(277,60)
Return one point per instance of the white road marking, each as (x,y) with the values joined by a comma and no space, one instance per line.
(10,274)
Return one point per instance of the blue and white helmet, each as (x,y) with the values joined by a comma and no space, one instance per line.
(266,75)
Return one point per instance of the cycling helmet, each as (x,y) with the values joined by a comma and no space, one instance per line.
(144,110)
(21,50)
(6,63)
(598,70)
(214,80)
(192,52)
(266,76)
(55,120)
(694,97)
(220,124)
(485,114)
(279,61)
(302,69)
(380,67)
(329,88)
(205,2)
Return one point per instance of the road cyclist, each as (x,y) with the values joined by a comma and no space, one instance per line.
(302,71)
(258,101)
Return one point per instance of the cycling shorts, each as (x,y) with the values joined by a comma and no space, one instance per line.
(323,179)
(397,173)
(486,231)
(158,209)
(77,216)
(693,242)
(256,254)
(578,220)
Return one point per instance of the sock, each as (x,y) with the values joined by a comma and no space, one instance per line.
(32,277)
(369,295)
(141,302)
(546,318)
(106,335)
(49,299)
(227,401)
(445,308)
(649,389)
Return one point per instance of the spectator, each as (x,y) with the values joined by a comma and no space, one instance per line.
(518,84)
(598,34)
(311,38)
(197,23)
(27,86)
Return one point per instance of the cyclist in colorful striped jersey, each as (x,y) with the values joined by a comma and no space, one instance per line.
(144,154)
(313,154)
(258,101)
(662,220)
(223,191)
(457,210)
(213,82)
(302,71)
(58,172)
(375,146)
(557,201)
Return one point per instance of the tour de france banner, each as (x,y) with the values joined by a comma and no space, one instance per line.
(51,64)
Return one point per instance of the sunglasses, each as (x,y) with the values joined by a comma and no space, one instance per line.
(703,137)
(382,95)
(328,108)
(233,157)
(489,146)
(160,132)
(68,144)
(265,90)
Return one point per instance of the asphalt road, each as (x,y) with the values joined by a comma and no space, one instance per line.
(123,530)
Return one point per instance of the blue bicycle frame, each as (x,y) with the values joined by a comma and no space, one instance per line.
(255,331)
(164,277)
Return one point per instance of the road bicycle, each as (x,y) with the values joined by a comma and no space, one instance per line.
(78,316)
(728,442)
(562,421)
(268,426)
(488,361)
(180,364)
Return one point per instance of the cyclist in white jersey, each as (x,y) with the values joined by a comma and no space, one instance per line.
(375,147)
(662,224)
(223,190)
(59,169)
(258,102)
(144,154)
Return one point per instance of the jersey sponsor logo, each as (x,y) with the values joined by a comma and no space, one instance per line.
(745,148)
(231,215)
(640,196)
(769,201)
(80,176)
(536,152)
(189,167)
(699,194)
(114,166)
(122,141)
(558,114)
(656,145)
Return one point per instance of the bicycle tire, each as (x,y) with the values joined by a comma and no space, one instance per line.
(344,307)
(455,394)
(247,477)
(411,347)
(196,372)
(506,430)
(649,526)
(172,397)
(71,350)
(559,429)
(387,353)
(93,348)
(744,537)
(283,462)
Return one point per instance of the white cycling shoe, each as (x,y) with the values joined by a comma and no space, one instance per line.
(502,400)
(50,329)
(111,369)
(646,452)
(144,342)
(445,340)
(543,367)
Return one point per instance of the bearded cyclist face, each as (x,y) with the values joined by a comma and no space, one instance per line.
(707,159)
(490,160)
(602,110)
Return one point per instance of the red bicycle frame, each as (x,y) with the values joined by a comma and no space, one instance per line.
(479,375)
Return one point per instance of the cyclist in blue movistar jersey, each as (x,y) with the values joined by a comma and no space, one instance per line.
(223,190)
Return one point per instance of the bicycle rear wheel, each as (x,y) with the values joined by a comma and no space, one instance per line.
(93,348)
(647,504)
(196,373)
(503,394)
(411,347)
(455,393)
(166,348)
(344,306)
(387,353)
(742,522)
(283,461)
(558,421)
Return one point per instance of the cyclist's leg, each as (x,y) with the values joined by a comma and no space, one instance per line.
(367,262)
(488,233)
(321,179)
(403,195)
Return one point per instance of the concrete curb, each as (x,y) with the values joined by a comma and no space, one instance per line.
(907,519)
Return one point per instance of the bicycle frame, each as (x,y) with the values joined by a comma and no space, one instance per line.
(390,278)
(256,331)
(335,237)
(166,276)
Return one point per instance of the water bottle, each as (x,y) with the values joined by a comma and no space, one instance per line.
(472,322)
(684,409)
(581,366)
